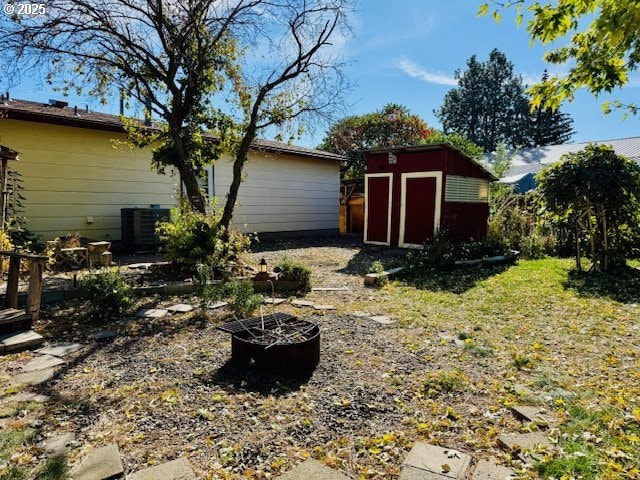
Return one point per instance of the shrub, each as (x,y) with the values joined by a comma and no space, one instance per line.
(192,237)
(208,291)
(107,292)
(5,244)
(24,239)
(296,271)
(242,301)
(444,381)
(377,267)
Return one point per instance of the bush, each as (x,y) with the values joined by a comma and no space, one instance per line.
(107,292)
(242,301)
(296,271)
(377,267)
(207,291)
(193,238)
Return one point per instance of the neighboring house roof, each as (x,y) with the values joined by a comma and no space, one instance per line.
(84,118)
(432,146)
(529,161)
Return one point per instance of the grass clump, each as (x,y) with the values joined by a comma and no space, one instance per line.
(444,382)
(54,468)
(296,271)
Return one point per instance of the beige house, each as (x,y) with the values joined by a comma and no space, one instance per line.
(76,178)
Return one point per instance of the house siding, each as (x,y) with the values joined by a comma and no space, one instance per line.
(69,174)
(281,193)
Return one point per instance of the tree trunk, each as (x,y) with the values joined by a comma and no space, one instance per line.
(187,175)
(578,253)
(592,240)
(605,241)
(242,156)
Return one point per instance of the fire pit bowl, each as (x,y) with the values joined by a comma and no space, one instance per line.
(279,344)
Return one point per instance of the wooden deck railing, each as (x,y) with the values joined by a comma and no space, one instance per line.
(34,291)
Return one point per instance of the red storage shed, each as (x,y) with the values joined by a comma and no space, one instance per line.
(413,192)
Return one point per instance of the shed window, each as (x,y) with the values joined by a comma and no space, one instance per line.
(466,189)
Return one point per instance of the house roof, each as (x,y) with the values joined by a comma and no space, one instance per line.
(432,146)
(530,161)
(62,114)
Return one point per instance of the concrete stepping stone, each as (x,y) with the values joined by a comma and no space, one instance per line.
(24,397)
(429,462)
(17,342)
(382,319)
(486,470)
(274,301)
(522,444)
(102,336)
(180,308)
(302,303)
(34,378)
(312,469)
(371,279)
(539,415)
(215,306)
(179,469)
(61,350)
(42,363)
(58,444)
(331,289)
(141,266)
(101,464)
(360,314)
(152,313)
(324,307)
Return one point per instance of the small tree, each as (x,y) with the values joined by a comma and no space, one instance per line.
(598,191)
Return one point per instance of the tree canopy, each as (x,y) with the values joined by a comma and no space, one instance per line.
(598,192)
(490,106)
(601,44)
(233,68)
(391,126)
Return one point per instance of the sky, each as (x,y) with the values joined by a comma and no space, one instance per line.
(406,52)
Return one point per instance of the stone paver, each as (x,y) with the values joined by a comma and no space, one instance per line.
(324,307)
(176,470)
(180,308)
(42,363)
(101,464)
(102,336)
(152,313)
(34,378)
(486,470)
(331,289)
(16,342)
(61,350)
(516,442)
(141,266)
(274,301)
(431,460)
(217,305)
(360,314)
(24,397)
(59,444)
(302,303)
(313,469)
(382,319)
(539,415)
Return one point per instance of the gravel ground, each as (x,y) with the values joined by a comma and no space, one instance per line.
(164,388)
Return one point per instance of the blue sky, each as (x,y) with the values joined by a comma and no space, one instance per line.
(406,51)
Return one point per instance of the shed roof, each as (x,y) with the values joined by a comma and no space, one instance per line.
(432,146)
(530,161)
(84,118)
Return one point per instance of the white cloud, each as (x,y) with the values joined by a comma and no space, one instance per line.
(414,70)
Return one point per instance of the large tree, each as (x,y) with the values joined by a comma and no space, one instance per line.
(230,67)
(391,126)
(601,44)
(490,106)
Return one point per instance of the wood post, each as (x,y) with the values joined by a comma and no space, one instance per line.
(12,282)
(34,292)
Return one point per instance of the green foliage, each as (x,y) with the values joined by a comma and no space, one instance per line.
(54,468)
(193,238)
(107,291)
(456,140)
(242,301)
(597,192)
(209,291)
(392,126)
(23,239)
(521,362)
(490,106)
(296,271)
(601,52)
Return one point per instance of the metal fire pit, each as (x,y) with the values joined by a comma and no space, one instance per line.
(278,343)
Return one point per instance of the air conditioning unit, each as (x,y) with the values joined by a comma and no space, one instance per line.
(138,226)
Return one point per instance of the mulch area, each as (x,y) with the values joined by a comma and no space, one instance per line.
(164,388)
